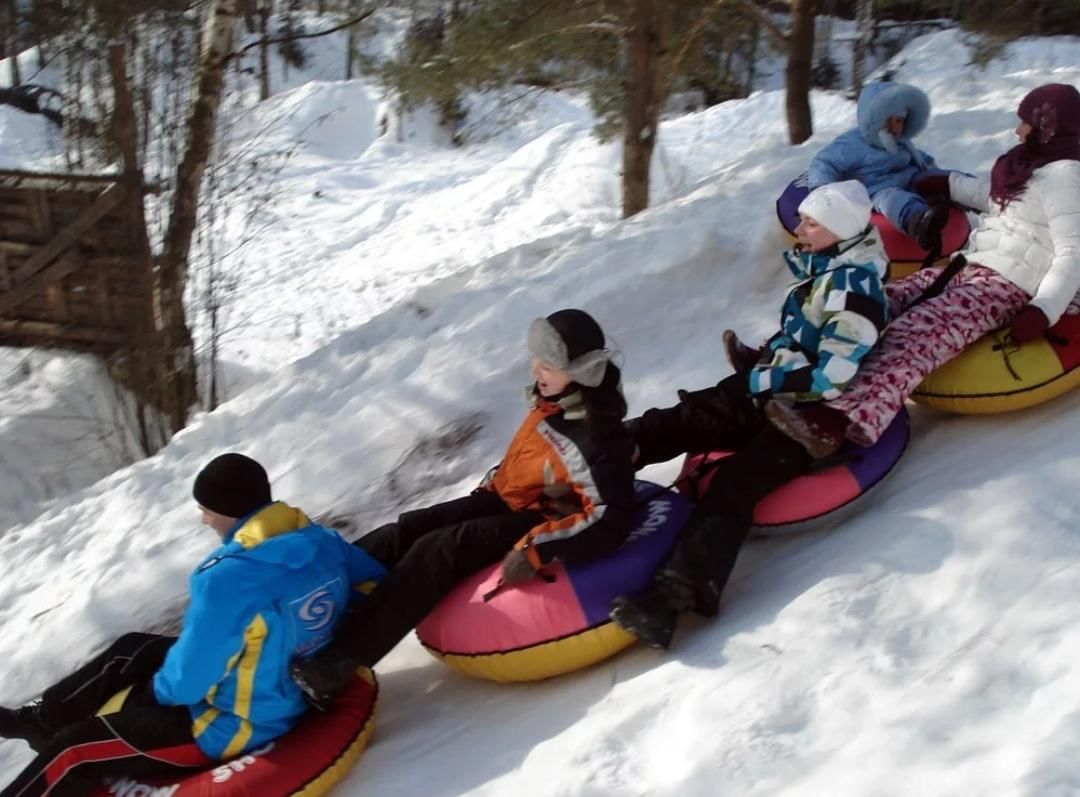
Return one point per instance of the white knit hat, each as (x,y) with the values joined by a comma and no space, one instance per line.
(842,208)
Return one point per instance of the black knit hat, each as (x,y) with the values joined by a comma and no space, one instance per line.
(579,331)
(572,341)
(232,485)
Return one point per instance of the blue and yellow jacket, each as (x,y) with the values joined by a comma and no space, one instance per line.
(276,589)
(831,319)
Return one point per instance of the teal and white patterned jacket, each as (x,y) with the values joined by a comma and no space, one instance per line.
(830,320)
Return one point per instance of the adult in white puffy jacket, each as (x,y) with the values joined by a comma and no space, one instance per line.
(1022,270)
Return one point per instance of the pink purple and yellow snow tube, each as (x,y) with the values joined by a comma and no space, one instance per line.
(995,374)
(905,255)
(817,498)
(306,762)
(555,624)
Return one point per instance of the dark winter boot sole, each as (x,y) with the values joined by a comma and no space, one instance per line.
(741,357)
(24,723)
(930,238)
(792,424)
(653,628)
(321,679)
(697,595)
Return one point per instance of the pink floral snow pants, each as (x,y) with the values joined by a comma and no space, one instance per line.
(976,301)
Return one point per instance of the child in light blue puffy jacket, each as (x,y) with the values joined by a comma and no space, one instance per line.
(880,154)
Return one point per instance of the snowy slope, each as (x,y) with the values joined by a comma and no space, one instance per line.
(926,647)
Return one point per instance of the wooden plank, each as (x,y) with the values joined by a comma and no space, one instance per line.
(17,178)
(57,298)
(24,289)
(68,236)
(17,211)
(104,305)
(17,248)
(20,174)
(60,332)
(38,204)
(17,230)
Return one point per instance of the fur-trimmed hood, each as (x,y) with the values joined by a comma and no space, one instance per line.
(879,101)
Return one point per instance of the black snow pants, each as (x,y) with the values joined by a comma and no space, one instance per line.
(721,417)
(427,552)
(143,738)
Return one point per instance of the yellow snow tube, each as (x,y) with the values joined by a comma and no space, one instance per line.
(995,374)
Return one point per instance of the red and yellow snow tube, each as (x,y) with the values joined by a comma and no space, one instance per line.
(995,374)
(306,762)
(544,628)
(905,256)
(812,500)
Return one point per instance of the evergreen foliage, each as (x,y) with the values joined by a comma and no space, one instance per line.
(826,74)
(553,44)
(292,51)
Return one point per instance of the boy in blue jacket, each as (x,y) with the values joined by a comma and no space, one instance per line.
(831,318)
(275,589)
(880,154)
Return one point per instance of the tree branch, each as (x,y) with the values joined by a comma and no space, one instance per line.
(594,27)
(746,6)
(283,39)
(693,33)
(754,11)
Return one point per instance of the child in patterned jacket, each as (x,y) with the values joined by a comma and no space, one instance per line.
(834,313)
(832,317)
(1020,270)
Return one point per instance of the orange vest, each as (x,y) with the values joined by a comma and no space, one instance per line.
(549,467)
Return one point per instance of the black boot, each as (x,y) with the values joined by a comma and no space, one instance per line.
(322,677)
(25,723)
(688,589)
(686,578)
(927,225)
(650,618)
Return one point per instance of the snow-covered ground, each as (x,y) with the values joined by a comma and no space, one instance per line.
(925,647)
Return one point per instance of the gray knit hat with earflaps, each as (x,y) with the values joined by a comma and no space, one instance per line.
(572,341)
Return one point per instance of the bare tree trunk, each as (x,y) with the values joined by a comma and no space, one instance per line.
(800,53)
(645,42)
(139,371)
(751,61)
(264,50)
(5,37)
(864,32)
(352,42)
(729,44)
(74,49)
(248,9)
(1037,18)
(350,53)
(217,40)
(16,42)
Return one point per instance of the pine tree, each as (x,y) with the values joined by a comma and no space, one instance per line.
(629,55)
(292,25)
